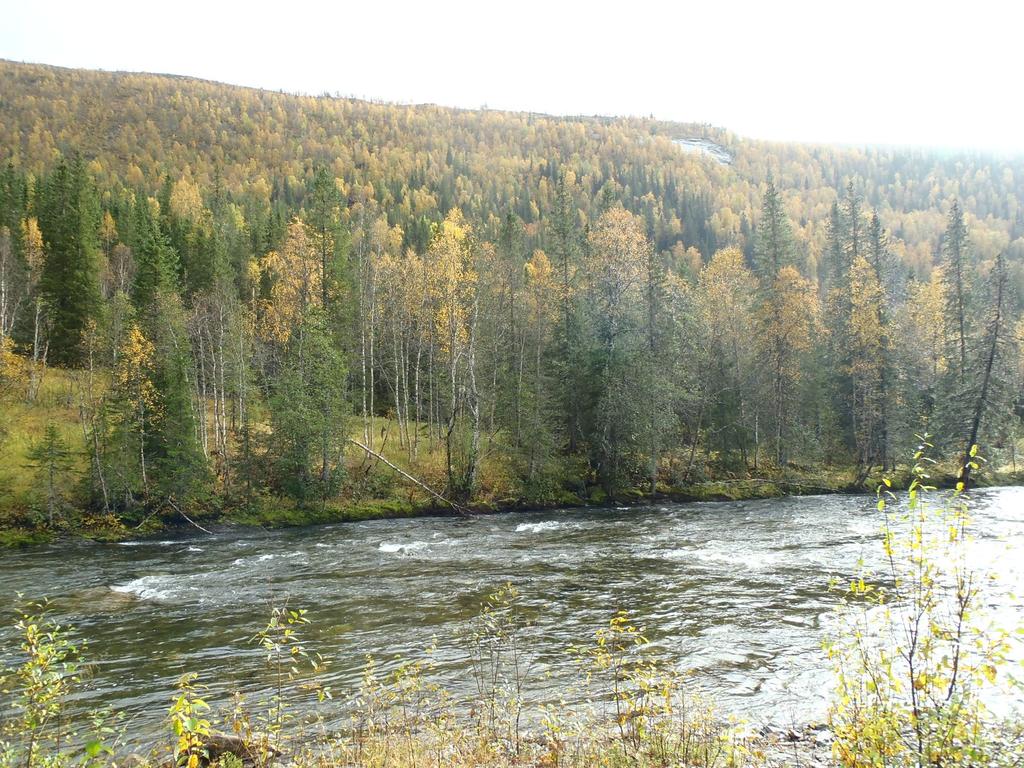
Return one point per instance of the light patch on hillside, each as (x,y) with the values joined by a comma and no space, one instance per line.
(707,147)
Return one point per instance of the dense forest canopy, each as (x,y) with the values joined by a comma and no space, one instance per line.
(253,292)
(411,162)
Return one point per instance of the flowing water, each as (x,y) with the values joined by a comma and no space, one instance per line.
(736,592)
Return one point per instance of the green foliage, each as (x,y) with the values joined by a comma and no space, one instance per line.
(774,246)
(308,411)
(190,723)
(155,260)
(501,667)
(288,660)
(69,216)
(52,460)
(38,732)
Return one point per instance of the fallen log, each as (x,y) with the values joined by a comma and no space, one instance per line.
(255,751)
(457,507)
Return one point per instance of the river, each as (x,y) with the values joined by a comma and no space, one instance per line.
(737,592)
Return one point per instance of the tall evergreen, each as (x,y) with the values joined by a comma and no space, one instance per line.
(880,258)
(179,464)
(774,247)
(323,218)
(69,217)
(13,197)
(307,409)
(955,260)
(155,259)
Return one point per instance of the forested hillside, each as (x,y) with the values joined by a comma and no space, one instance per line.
(218,300)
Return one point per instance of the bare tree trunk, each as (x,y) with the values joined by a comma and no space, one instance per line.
(371,362)
(222,431)
(142,447)
(696,438)
(88,419)
(396,355)
(430,392)
(38,367)
(757,435)
(473,401)
(364,380)
(201,388)
(416,402)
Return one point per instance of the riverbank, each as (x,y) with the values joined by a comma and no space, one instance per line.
(37,506)
(273,512)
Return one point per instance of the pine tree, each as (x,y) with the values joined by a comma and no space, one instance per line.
(13,268)
(565,247)
(179,468)
(619,254)
(881,261)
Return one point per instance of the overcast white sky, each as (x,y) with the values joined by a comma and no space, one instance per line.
(904,72)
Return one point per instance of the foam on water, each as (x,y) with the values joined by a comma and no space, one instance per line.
(147,543)
(753,561)
(392,548)
(146,588)
(541,527)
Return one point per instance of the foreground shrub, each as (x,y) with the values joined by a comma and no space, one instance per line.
(919,662)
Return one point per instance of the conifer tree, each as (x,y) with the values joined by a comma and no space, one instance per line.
(565,247)
(614,294)
(957,272)
(323,219)
(52,459)
(179,468)
(774,247)
(69,218)
(308,413)
(156,262)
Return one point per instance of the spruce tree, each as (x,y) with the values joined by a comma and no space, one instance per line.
(774,247)
(308,413)
(52,459)
(156,262)
(323,212)
(69,218)
(955,253)
(566,244)
(179,465)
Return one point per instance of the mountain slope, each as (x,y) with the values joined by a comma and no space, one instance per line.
(416,162)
